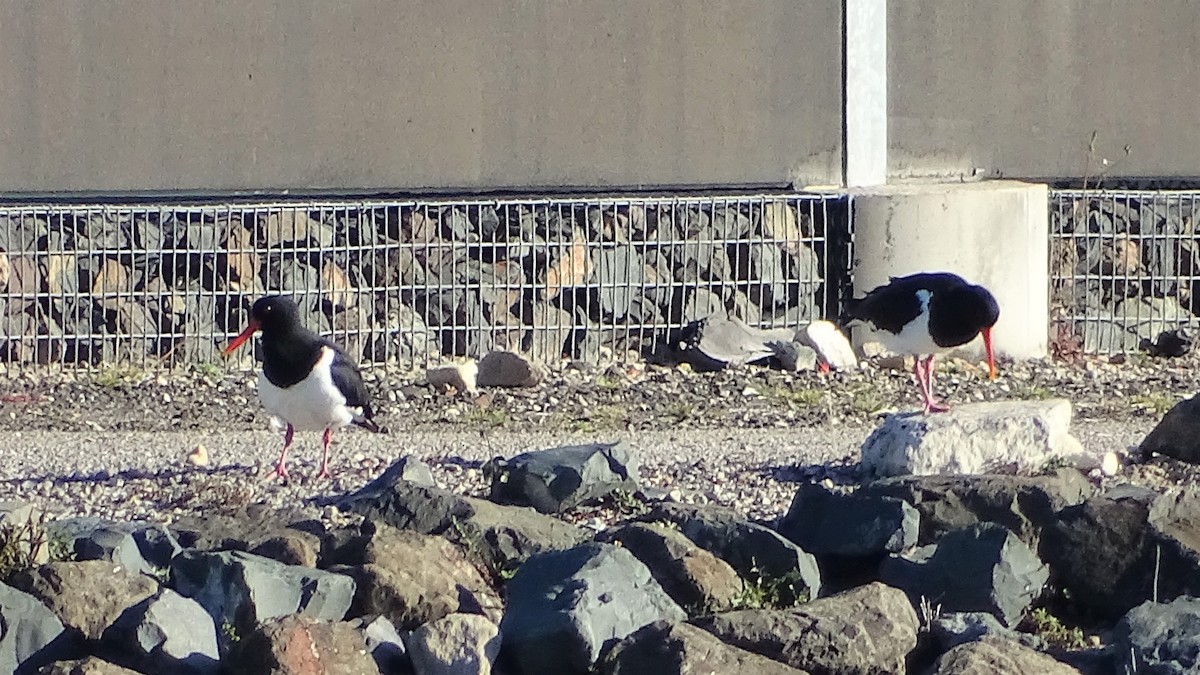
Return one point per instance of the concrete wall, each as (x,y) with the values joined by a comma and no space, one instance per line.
(953,227)
(243,95)
(1016,88)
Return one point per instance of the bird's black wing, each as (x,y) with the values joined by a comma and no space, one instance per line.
(892,306)
(348,380)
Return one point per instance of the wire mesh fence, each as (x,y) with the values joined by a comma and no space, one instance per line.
(409,282)
(1124,267)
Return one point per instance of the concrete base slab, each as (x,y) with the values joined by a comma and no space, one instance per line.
(1024,436)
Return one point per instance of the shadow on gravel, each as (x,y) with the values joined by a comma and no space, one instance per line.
(127,474)
(839,474)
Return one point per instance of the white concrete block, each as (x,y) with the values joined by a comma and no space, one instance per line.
(994,233)
(976,438)
(831,344)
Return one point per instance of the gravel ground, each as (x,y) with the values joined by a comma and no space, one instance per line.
(115,443)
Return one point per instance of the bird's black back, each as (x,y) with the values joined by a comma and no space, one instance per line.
(958,310)
(893,305)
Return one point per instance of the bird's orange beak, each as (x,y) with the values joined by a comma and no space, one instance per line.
(251,329)
(987,344)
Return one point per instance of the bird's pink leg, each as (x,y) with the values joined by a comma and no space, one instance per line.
(931,404)
(325,440)
(280,470)
(919,374)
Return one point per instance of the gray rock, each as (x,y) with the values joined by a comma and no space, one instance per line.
(973,438)
(157,545)
(564,607)
(823,522)
(412,578)
(203,235)
(548,330)
(1109,334)
(695,579)
(795,356)
(1160,638)
(33,634)
(240,589)
(1102,554)
(722,340)
(408,468)
(701,304)
(21,233)
(753,550)
(87,596)
(169,633)
(1174,521)
(386,646)
(559,479)
(742,307)
(1024,504)
(456,225)
(507,369)
(951,629)
(457,644)
(1149,316)
(290,227)
(406,338)
(982,568)
(96,539)
(867,630)
(620,275)
(503,535)
(760,265)
(291,537)
(662,647)
(731,223)
(302,645)
(998,655)
(1177,434)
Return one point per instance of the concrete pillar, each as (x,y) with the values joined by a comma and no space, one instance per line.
(994,233)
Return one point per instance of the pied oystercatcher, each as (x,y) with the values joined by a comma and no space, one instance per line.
(927,313)
(306,382)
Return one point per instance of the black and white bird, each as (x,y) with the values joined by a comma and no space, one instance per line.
(307,382)
(925,314)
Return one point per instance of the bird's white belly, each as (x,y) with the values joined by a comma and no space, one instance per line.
(312,404)
(912,339)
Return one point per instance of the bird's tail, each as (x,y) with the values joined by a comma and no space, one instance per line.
(368,424)
(850,313)
(364,420)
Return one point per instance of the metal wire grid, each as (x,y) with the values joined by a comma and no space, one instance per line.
(410,282)
(1124,267)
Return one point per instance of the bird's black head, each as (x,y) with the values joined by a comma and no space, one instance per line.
(978,306)
(975,312)
(273,314)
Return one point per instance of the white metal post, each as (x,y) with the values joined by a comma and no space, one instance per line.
(865,92)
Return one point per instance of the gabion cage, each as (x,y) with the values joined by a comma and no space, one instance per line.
(1124,266)
(409,282)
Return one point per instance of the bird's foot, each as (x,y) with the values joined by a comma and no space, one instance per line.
(280,472)
(935,407)
(324,473)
